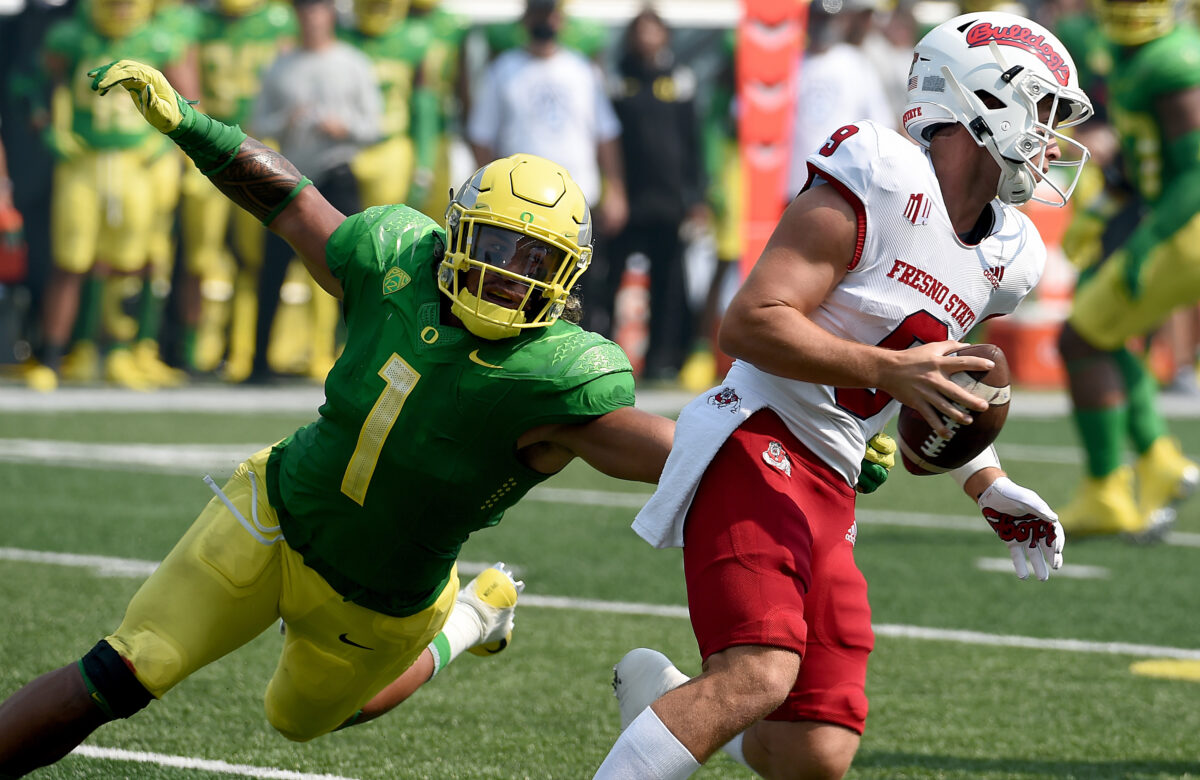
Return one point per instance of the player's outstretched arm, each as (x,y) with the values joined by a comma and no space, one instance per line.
(627,444)
(253,176)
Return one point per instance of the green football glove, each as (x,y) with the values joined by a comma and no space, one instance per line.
(153,95)
(877,463)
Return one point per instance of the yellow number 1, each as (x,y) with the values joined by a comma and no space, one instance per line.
(401,379)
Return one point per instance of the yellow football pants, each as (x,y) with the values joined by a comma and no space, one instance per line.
(230,578)
(101,208)
(384,171)
(1105,313)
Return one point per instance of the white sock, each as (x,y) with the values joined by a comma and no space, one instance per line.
(463,629)
(733,749)
(647,750)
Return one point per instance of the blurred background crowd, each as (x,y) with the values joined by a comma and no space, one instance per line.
(121,263)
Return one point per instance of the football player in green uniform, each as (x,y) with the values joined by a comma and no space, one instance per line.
(349,528)
(385,169)
(437,102)
(237,40)
(1154,105)
(102,196)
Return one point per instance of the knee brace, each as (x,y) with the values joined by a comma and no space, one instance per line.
(111,682)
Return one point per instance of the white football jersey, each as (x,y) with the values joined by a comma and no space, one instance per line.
(911,281)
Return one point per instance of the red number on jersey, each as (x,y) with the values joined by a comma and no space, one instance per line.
(835,140)
(918,328)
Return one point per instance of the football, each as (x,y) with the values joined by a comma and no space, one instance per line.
(925,452)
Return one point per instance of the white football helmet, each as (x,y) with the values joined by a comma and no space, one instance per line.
(1019,65)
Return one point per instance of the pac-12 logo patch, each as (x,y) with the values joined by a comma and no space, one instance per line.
(395,280)
(726,398)
(775,455)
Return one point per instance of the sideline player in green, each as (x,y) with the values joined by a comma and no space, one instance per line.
(101,211)
(462,386)
(236,41)
(1154,105)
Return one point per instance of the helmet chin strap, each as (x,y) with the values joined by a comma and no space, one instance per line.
(1016,186)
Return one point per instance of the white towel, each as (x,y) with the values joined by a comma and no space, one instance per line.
(702,427)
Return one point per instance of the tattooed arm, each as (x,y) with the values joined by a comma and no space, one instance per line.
(259,179)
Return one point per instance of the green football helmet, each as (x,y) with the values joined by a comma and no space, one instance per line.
(1134,22)
(519,236)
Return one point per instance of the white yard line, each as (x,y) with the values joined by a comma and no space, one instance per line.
(306,398)
(222,459)
(199,764)
(129,567)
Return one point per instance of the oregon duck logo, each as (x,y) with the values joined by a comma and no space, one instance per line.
(395,280)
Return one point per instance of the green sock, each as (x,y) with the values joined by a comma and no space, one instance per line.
(87,319)
(149,312)
(1103,434)
(189,346)
(1146,424)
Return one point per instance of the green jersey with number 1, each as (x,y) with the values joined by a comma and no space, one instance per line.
(415,446)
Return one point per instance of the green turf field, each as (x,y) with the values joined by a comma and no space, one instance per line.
(975,674)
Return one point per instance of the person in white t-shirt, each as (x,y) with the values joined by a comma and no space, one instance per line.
(548,100)
(874,275)
(837,84)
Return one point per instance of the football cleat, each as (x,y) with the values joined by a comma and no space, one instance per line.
(641,677)
(82,363)
(39,377)
(1165,477)
(146,356)
(1103,506)
(493,597)
(121,369)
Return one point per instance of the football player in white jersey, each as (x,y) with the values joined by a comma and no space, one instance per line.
(874,275)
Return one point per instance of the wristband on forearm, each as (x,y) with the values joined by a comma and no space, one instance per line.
(985,459)
(212,145)
(252,175)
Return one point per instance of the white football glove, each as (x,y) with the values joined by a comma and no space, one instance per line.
(1026,524)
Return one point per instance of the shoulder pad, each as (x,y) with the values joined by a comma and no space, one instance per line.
(848,156)
(866,155)
(568,352)
(397,229)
